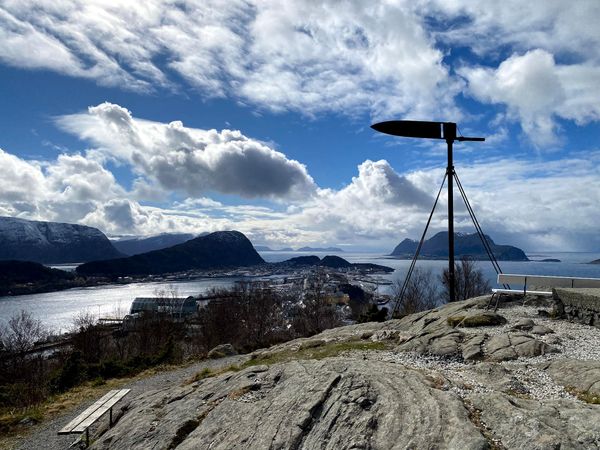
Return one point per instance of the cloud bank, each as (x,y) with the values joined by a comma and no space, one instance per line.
(392,58)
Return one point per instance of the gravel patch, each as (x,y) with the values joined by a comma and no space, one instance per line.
(454,370)
(573,340)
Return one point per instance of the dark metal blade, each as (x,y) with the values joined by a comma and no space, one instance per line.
(410,128)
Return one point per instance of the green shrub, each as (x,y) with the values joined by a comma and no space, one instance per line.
(73,372)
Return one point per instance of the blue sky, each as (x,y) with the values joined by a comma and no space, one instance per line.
(254,115)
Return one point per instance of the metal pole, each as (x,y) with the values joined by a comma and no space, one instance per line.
(450,135)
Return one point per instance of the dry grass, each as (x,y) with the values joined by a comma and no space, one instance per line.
(593,398)
(15,422)
(327,350)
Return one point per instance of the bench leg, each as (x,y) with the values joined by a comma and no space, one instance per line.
(87,437)
(497,302)
(490,301)
(110,421)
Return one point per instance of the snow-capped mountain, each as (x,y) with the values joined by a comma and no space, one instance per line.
(52,242)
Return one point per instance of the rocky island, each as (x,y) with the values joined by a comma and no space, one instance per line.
(464,245)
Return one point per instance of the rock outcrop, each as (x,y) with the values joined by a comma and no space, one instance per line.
(330,404)
(419,382)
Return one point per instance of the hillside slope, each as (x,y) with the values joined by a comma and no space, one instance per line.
(412,383)
(136,246)
(218,250)
(52,242)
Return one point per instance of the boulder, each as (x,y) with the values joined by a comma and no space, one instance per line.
(472,348)
(221,351)
(524,324)
(512,345)
(476,319)
(445,343)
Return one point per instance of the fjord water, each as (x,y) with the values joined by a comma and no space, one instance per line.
(57,309)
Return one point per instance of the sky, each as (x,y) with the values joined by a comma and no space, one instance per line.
(140,118)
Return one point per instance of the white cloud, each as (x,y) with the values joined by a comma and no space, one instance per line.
(559,27)
(190,160)
(536,90)
(383,58)
(539,205)
(303,56)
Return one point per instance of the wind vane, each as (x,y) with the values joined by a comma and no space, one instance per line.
(445,131)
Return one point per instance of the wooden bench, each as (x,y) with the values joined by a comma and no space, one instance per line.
(538,280)
(87,418)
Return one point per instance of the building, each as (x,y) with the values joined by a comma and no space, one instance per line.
(174,306)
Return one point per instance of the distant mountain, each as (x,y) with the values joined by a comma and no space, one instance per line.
(52,242)
(263,248)
(596,261)
(320,249)
(219,250)
(136,246)
(464,245)
(335,262)
(26,277)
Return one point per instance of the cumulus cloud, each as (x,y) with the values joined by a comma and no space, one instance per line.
(538,205)
(78,189)
(536,90)
(383,58)
(303,56)
(190,160)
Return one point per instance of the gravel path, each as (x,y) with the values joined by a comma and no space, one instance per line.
(45,437)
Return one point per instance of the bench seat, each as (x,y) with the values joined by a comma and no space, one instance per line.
(83,421)
(522,292)
(543,281)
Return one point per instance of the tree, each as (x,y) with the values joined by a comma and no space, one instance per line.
(421,293)
(22,332)
(469,281)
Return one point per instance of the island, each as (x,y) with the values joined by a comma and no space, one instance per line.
(464,245)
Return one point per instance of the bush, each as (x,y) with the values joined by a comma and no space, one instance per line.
(374,314)
(469,282)
(73,372)
(421,294)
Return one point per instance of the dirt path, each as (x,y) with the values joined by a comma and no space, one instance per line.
(44,436)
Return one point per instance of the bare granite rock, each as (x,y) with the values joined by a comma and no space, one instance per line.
(415,383)
(512,345)
(582,376)
(221,351)
(522,423)
(331,404)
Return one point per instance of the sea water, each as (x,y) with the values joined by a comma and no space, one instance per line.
(58,309)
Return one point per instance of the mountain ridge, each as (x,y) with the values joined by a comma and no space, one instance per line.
(218,250)
(52,242)
(139,245)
